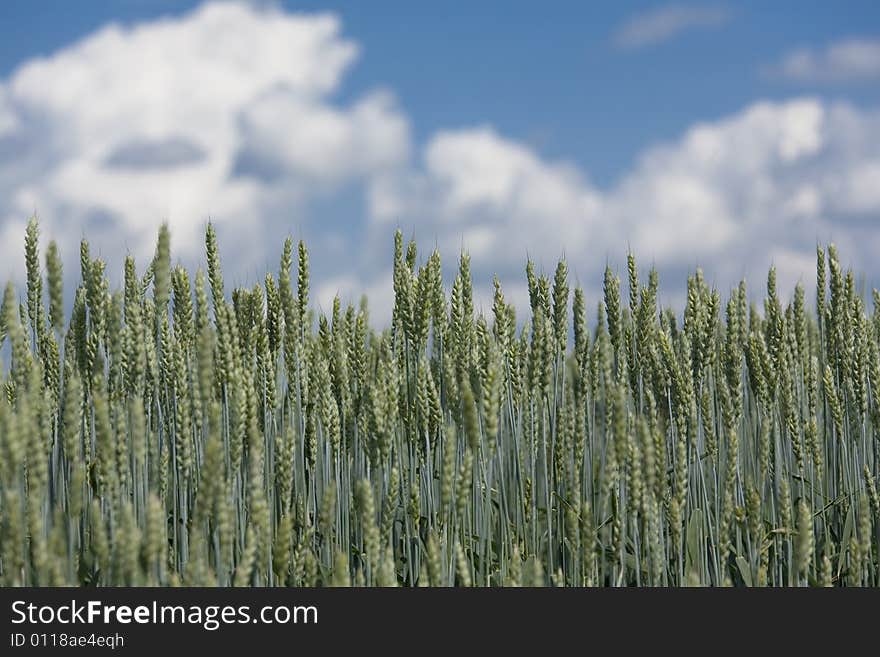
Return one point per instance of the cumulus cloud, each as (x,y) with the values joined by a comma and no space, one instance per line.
(230,113)
(478,188)
(665,23)
(283,134)
(731,196)
(177,119)
(848,60)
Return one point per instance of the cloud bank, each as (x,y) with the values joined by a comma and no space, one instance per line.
(229,113)
(222,113)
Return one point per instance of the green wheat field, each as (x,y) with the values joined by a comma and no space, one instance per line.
(176,432)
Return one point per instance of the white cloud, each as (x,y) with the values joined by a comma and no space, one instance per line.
(664,23)
(843,61)
(8,122)
(698,196)
(311,139)
(730,196)
(492,195)
(224,112)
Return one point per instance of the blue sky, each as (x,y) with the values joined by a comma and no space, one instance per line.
(482,111)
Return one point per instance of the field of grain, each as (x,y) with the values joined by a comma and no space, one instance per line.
(176,432)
